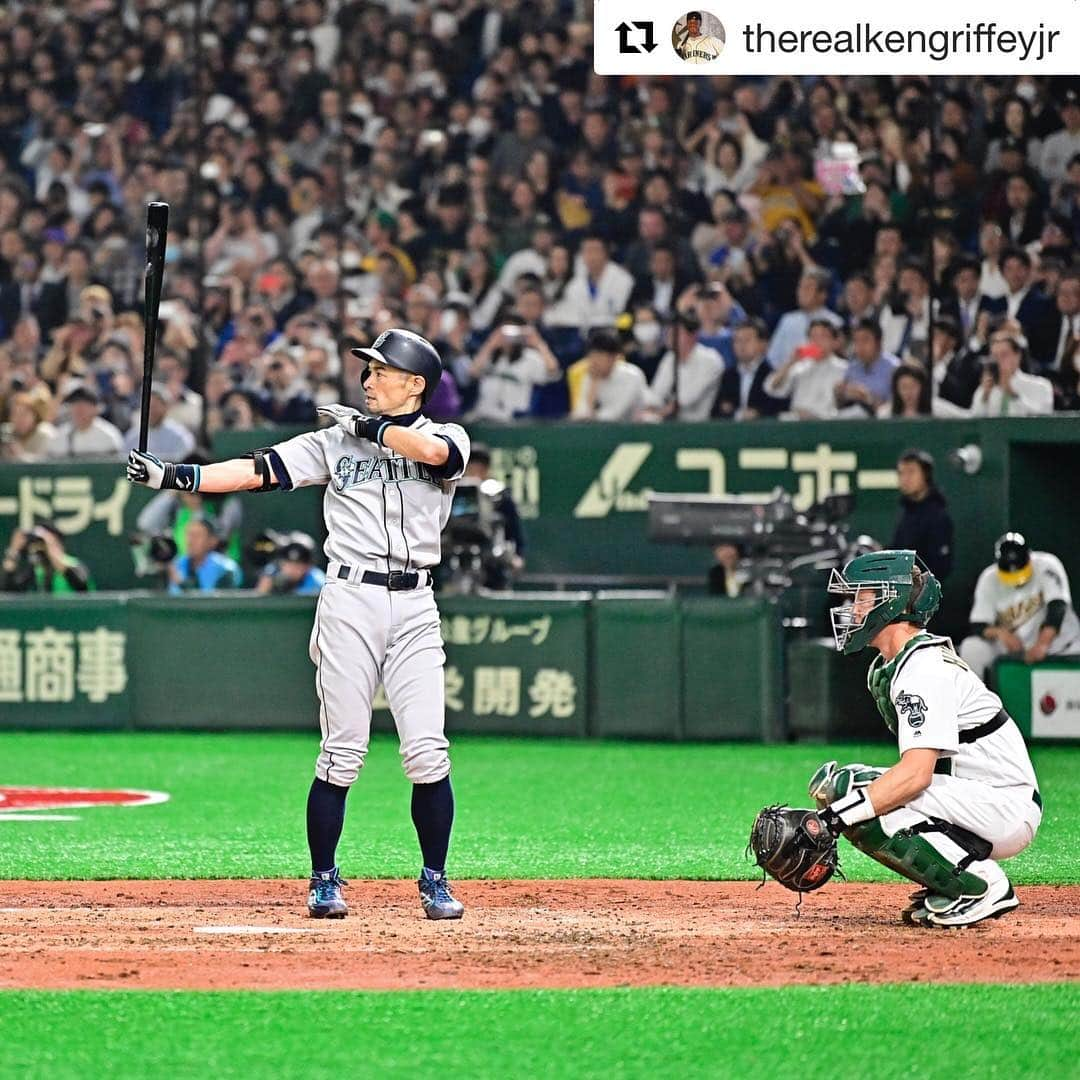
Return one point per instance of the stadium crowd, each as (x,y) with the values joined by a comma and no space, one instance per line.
(598,248)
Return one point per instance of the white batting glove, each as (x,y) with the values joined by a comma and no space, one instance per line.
(145,469)
(353,422)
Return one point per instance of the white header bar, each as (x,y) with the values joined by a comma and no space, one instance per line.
(788,37)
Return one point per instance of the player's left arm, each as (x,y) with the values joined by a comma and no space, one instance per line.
(415,445)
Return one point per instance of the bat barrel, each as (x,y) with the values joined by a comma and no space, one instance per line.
(157,228)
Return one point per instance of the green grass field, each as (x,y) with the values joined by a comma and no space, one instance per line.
(526,808)
(883,1032)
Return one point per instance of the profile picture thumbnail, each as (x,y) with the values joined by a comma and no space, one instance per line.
(698,37)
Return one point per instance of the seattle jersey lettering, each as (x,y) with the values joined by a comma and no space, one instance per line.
(351,471)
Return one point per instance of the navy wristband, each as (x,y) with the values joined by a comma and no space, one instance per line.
(181,477)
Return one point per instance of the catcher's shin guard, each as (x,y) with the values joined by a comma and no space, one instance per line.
(912,854)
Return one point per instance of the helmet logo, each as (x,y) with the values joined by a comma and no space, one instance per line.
(913,707)
(380,339)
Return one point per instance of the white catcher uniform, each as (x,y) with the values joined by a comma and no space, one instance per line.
(1021,609)
(984,781)
(384,516)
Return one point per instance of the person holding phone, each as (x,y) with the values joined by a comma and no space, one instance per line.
(810,375)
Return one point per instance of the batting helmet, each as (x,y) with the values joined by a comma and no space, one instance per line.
(406,351)
(1013,558)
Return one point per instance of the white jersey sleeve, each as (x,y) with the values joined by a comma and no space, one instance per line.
(305,460)
(457,435)
(984,606)
(1051,577)
(926,696)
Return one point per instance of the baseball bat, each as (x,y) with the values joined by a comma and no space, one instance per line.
(157,228)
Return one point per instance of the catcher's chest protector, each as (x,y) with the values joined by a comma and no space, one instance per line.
(879,677)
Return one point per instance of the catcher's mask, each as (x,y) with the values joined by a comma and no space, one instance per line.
(882,587)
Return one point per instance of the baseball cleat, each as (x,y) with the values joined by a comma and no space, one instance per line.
(325,900)
(969,910)
(436,897)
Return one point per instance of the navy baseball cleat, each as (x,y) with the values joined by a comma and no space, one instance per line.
(325,900)
(435,895)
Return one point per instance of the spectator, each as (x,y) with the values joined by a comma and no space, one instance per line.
(661,287)
(597,294)
(1026,302)
(925,525)
(285,397)
(867,384)
(36,561)
(85,434)
(742,393)
(1064,329)
(510,364)
(966,301)
(905,326)
(687,378)
(727,576)
(954,370)
(30,433)
(810,376)
(1005,390)
(611,388)
(1058,149)
(791,331)
(292,573)
(911,395)
(646,346)
(203,568)
(165,438)
(240,411)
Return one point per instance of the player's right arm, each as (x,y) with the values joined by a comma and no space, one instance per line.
(238,474)
(297,462)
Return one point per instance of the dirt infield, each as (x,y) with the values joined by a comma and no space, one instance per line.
(161,934)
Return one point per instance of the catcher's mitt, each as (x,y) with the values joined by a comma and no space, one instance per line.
(794,846)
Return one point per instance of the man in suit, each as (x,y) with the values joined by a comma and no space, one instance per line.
(955,370)
(1028,304)
(1065,327)
(663,285)
(742,394)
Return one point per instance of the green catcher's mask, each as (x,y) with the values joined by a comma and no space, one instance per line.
(889,579)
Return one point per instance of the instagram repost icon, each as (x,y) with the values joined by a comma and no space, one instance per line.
(698,37)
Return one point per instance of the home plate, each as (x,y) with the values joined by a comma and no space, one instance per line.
(256,929)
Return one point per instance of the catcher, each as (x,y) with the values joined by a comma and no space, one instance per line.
(963,794)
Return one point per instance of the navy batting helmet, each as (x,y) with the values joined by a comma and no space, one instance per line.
(407,351)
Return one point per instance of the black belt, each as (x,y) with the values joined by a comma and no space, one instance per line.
(980,732)
(395,581)
(943,766)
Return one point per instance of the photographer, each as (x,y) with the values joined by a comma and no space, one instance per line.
(292,572)
(513,360)
(513,531)
(1005,390)
(35,561)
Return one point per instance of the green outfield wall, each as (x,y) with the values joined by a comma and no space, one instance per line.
(582,489)
(646,665)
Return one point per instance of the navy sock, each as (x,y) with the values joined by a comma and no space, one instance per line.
(433,816)
(325,818)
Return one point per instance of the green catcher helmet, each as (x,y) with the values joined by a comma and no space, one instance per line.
(901,589)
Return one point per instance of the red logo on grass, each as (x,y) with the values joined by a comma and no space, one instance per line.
(13,799)
(1047,704)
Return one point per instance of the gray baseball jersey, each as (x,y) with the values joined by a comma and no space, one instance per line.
(384,513)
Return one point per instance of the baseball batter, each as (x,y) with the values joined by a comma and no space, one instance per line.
(696,47)
(390,480)
(1022,608)
(963,794)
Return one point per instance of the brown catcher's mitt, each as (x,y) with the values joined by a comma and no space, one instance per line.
(794,846)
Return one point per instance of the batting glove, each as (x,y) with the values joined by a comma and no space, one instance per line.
(355,423)
(152,472)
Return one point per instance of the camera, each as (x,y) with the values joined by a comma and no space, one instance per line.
(990,367)
(152,553)
(476,551)
(36,551)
